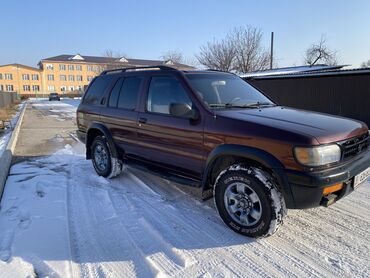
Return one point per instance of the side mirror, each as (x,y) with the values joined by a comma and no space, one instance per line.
(183,110)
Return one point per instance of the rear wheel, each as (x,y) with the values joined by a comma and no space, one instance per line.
(248,201)
(104,163)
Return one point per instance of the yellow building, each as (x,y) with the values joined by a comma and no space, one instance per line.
(20,78)
(66,74)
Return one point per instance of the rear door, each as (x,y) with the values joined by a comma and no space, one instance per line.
(120,113)
(172,142)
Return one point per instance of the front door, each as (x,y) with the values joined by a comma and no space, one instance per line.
(173,142)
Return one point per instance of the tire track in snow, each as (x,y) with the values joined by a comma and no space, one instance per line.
(299,241)
(255,251)
(324,243)
(161,210)
(186,238)
(157,251)
(100,245)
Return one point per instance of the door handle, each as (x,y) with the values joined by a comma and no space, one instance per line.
(142,120)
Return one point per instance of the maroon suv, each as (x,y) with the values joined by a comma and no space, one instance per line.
(213,130)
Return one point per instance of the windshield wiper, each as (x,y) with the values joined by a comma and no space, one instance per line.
(250,105)
(246,105)
(217,105)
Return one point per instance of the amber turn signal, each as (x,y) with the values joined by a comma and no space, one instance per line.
(332,188)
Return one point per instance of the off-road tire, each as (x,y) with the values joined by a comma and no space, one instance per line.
(270,201)
(113,165)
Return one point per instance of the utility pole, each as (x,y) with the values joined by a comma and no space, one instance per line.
(272,49)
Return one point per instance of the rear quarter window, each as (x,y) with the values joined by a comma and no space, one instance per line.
(97,89)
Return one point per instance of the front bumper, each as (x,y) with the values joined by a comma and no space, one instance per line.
(307,187)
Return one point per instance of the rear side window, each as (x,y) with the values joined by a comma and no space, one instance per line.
(129,93)
(97,89)
(113,99)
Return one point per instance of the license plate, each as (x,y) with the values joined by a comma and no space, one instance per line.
(360,178)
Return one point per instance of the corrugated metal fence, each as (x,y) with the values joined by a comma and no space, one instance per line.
(346,95)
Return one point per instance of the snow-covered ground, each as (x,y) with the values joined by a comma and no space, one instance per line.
(6,134)
(62,110)
(59,219)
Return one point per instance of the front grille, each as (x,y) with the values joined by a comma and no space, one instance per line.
(354,146)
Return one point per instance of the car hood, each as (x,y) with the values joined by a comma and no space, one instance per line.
(323,127)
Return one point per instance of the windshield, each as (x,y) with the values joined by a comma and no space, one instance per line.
(226,90)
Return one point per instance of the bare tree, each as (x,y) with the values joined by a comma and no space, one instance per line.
(217,55)
(191,61)
(365,64)
(320,52)
(114,59)
(241,50)
(173,55)
(250,55)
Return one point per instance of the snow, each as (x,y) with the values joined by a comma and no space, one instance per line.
(59,219)
(64,109)
(6,134)
(4,139)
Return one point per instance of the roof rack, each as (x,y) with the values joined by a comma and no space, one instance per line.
(216,70)
(121,70)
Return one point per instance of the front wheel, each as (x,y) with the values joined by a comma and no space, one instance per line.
(249,201)
(104,163)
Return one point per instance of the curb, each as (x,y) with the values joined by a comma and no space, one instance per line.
(6,157)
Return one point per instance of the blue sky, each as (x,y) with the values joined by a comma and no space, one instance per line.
(31,30)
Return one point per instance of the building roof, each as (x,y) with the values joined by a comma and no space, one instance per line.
(290,70)
(106,60)
(318,73)
(21,66)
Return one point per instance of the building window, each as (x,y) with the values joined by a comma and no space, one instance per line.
(1,76)
(35,88)
(71,88)
(62,67)
(89,78)
(63,88)
(35,77)
(71,67)
(51,88)
(25,77)
(79,67)
(1,88)
(26,88)
(9,88)
(51,77)
(63,78)
(79,77)
(89,68)
(8,76)
(71,78)
(49,66)
(79,88)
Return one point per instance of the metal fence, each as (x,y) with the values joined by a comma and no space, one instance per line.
(346,95)
(7,98)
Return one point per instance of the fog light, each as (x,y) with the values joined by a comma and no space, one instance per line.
(332,188)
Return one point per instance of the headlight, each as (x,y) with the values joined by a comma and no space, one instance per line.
(317,156)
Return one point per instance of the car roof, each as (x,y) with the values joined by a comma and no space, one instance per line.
(166,69)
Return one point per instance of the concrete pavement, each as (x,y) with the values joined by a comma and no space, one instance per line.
(45,130)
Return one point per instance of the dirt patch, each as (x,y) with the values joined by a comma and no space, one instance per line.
(6,114)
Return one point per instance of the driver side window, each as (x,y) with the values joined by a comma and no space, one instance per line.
(164,90)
